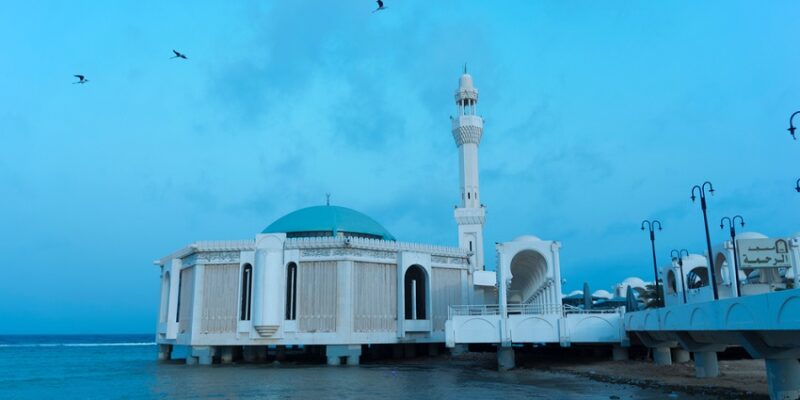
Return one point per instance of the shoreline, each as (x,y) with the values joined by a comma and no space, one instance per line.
(745,379)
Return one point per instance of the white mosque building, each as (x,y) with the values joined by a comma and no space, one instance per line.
(332,276)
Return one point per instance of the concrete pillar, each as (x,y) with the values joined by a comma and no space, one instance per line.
(679,355)
(335,354)
(783,376)
(226,354)
(204,354)
(164,352)
(706,364)
(353,360)
(334,360)
(459,349)
(619,353)
(505,358)
(662,356)
(190,359)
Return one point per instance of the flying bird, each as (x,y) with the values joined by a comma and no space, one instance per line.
(179,55)
(81,79)
(380,6)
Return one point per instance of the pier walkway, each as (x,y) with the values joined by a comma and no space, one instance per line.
(766,325)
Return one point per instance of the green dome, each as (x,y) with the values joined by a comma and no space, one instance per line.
(328,221)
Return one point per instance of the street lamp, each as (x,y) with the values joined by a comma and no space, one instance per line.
(732,226)
(701,189)
(651,227)
(791,126)
(798,186)
(678,254)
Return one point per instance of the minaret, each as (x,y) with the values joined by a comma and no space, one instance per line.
(467,131)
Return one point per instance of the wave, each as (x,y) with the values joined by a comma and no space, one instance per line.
(77,344)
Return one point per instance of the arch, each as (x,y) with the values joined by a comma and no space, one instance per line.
(699,319)
(165,292)
(415,285)
(697,277)
(720,268)
(672,285)
(291,292)
(789,311)
(594,329)
(528,274)
(246,297)
(739,314)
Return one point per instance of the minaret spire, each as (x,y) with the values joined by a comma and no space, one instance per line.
(467,129)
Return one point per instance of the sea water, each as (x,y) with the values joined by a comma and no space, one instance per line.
(125,367)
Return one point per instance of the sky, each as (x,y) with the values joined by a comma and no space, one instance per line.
(598,115)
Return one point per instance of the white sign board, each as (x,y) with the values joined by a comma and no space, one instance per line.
(763,253)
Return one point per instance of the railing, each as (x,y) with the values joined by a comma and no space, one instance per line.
(522,309)
(568,309)
(467,310)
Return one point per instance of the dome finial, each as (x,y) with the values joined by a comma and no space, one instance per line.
(465,68)
(327,199)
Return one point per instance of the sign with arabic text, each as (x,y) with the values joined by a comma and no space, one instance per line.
(763,253)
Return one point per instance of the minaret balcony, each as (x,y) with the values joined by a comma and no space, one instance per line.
(470,216)
(467,129)
(467,120)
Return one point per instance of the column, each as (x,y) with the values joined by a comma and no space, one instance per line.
(679,355)
(706,364)
(662,355)
(164,352)
(783,376)
(226,354)
(505,358)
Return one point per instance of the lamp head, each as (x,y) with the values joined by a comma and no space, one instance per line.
(791,131)
(693,198)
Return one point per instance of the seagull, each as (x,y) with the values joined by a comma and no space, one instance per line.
(380,6)
(179,55)
(81,79)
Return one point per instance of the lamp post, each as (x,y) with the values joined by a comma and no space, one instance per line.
(701,189)
(791,125)
(678,254)
(651,227)
(732,226)
(791,132)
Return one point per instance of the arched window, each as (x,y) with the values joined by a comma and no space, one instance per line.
(672,286)
(178,305)
(415,299)
(247,292)
(291,292)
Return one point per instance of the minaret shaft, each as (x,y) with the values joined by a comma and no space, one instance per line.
(467,131)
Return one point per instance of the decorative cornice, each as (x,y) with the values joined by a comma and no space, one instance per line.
(371,244)
(212,257)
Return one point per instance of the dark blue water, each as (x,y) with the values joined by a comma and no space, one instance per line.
(125,367)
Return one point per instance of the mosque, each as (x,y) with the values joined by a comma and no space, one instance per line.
(333,281)
(334,277)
